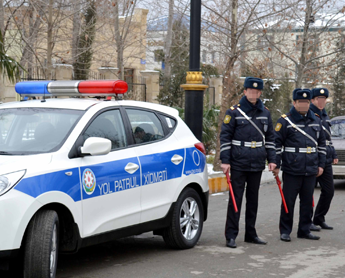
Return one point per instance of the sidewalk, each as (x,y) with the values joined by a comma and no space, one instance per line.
(217,180)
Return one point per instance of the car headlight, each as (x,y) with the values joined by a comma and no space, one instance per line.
(9,180)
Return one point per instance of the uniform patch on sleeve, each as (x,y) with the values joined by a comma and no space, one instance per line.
(278,126)
(227,119)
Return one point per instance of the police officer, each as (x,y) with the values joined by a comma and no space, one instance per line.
(303,159)
(319,96)
(247,140)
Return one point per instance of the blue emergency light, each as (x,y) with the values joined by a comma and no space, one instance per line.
(32,88)
(71,88)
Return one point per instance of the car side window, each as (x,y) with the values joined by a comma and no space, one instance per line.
(108,125)
(145,125)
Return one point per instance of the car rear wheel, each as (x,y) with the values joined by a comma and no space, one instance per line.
(41,245)
(187,221)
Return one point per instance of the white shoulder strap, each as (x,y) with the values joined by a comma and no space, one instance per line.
(300,130)
(252,123)
(325,129)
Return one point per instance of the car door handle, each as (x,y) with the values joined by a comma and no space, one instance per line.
(176,159)
(131,168)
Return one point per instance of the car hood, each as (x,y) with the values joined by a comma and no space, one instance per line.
(13,163)
(338,143)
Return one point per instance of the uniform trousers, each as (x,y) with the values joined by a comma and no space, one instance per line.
(238,181)
(303,186)
(327,193)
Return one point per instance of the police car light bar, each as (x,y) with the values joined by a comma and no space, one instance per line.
(72,88)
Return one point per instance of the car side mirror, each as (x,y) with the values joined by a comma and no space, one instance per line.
(95,146)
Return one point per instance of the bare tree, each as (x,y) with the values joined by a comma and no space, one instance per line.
(122,28)
(167,70)
(302,41)
(76,29)
(234,35)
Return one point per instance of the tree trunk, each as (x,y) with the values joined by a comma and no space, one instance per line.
(119,42)
(228,80)
(50,40)
(167,70)
(76,30)
(302,62)
(28,52)
(2,18)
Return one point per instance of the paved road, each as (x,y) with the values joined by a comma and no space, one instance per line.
(147,255)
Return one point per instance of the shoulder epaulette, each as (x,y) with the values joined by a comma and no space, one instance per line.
(238,104)
(284,116)
(317,115)
(266,108)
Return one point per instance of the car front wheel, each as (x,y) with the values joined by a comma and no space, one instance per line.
(41,245)
(187,221)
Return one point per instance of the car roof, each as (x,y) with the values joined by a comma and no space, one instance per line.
(150,105)
(84,104)
(70,103)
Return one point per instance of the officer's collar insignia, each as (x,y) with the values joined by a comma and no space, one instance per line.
(322,91)
(304,95)
(227,119)
(238,104)
(255,84)
(278,126)
(317,115)
(232,108)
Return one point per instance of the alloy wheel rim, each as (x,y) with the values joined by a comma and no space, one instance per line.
(189,218)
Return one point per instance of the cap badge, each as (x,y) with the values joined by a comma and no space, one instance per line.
(322,91)
(304,95)
(255,84)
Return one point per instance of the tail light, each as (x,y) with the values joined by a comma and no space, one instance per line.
(200,146)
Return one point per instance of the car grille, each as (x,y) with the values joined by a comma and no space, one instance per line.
(341,156)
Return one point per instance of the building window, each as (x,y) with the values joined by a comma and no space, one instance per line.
(264,42)
(158,55)
(213,57)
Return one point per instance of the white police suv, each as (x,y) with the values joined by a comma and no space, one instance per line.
(76,172)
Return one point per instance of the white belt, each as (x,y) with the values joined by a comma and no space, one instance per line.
(300,150)
(328,143)
(253,144)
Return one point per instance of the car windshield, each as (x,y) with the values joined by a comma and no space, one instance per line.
(35,130)
(338,128)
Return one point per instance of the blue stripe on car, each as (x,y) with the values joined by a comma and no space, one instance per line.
(56,181)
(111,177)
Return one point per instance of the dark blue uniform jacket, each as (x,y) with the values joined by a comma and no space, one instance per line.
(238,128)
(296,163)
(326,122)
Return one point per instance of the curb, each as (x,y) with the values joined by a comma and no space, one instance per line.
(217,182)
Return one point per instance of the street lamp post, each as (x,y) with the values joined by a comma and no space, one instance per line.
(194,96)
